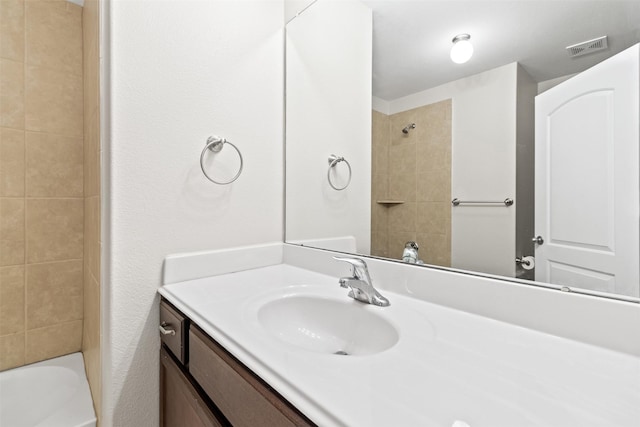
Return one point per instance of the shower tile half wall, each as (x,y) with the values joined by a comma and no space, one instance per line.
(41,180)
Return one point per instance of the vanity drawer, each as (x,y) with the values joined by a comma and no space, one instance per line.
(243,398)
(173,330)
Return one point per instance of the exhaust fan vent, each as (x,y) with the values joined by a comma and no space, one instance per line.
(588,47)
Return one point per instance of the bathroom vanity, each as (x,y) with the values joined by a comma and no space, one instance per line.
(203,385)
(280,343)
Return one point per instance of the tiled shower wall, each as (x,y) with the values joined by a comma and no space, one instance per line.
(41,180)
(415,169)
(92,240)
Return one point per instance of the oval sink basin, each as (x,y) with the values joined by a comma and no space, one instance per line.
(327,326)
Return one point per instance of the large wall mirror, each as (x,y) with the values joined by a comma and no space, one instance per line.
(521,162)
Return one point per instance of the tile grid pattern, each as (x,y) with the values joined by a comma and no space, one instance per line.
(41,180)
(414,168)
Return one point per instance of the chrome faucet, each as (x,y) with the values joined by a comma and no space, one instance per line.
(360,284)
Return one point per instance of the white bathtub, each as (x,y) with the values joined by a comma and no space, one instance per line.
(53,393)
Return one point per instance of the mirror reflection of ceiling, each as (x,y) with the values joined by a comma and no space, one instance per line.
(412,39)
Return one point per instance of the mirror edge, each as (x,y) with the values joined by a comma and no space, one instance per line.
(549,286)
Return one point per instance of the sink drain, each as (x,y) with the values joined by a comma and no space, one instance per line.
(341,353)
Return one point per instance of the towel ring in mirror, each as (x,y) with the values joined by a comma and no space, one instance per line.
(333,161)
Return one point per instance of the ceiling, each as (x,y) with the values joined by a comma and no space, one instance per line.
(412,39)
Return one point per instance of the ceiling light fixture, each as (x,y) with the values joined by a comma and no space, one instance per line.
(462,49)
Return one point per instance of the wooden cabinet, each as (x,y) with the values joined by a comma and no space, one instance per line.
(203,385)
(173,329)
(181,405)
(242,397)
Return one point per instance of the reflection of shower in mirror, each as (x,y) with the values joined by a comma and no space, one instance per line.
(408,127)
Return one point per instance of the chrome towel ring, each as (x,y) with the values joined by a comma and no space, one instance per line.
(333,161)
(215,144)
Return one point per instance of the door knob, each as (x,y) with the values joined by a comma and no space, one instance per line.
(538,240)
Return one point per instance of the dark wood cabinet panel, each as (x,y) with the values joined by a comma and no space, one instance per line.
(203,385)
(180,403)
(244,399)
(174,322)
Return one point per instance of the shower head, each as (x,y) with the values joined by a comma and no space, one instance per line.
(408,128)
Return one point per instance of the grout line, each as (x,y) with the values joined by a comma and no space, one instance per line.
(66,322)
(24,133)
(53,262)
(46,132)
(47,198)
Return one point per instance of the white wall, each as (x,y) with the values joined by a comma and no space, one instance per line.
(293,7)
(179,72)
(483,165)
(329,54)
(548,84)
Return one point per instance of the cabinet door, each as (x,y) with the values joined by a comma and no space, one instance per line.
(180,403)
(243,398)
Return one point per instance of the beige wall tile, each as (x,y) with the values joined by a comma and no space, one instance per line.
(379,243)
(53,102)
(434,217)
(379,160)
(92,235)
(434,157)
(11,252)
(437,249)
(12,29)
(402,217)
(437,127)
(90,73)
(92,155)
(91,327)
(402,186)
(12,231)
(379,186)
(379,143)
(54,293)
(53,341)
(54,35)
(379,217)
(90,25)
(54,229)
(397,240)
(434,187)
(11,162)
(91,334)
(11,300)
(398,122)
(402,158)
(54,165)
(12,94)
(11,351)
(91,342)
(91,316)
(380,127)
(419,169)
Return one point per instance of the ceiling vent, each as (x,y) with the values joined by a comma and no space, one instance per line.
(588,47)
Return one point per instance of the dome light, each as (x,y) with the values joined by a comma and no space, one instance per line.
(462,49)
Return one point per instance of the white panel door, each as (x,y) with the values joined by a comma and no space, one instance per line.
(587,179)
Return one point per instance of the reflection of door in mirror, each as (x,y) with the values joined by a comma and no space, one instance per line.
(587,178)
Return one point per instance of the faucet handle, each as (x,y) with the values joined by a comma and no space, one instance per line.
(359,267)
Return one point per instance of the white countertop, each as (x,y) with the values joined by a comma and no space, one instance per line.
(447,366)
